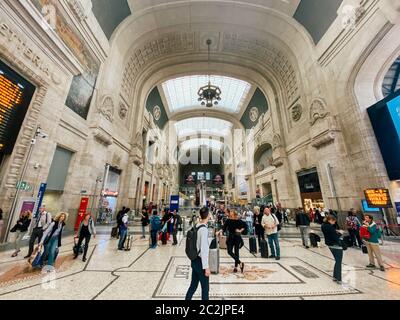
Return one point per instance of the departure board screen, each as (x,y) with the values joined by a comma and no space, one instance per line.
(15,96)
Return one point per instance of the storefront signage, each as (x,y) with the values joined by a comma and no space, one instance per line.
(378,198)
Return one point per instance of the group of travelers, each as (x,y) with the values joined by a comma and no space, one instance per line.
(161,228)
(365,234)
(47,232)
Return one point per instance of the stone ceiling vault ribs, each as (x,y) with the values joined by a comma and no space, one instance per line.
(243,46)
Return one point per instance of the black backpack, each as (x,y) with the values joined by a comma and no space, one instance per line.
(191,243)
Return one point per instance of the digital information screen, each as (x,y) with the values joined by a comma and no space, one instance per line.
(385,119)
(15,96)
(378,198)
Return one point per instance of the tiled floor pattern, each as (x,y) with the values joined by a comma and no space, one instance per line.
(164,273)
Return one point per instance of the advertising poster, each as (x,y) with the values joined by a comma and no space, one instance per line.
(81,212)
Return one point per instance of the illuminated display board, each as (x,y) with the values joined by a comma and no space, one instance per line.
(15,96)
(378,198)
(385,120)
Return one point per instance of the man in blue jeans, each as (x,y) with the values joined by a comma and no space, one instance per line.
(270,224)
(200,267)
(123,231)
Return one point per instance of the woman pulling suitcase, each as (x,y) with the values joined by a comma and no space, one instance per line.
(235,228)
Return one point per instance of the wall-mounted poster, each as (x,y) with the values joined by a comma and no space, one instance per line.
(82,86)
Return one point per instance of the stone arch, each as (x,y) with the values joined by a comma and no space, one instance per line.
(263,157)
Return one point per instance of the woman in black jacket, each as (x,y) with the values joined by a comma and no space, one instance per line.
(20,229)
(235,228)
(332,240)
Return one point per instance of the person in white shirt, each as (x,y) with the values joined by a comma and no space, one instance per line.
(200,266)
(38,226)
(270,224)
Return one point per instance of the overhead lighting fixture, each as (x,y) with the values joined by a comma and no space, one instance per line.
(209,95)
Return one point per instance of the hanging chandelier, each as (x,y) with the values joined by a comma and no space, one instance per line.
(209,95)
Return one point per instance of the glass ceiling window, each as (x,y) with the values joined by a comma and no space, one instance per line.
(203,125)
(181,93)
(197,143)
(391,83)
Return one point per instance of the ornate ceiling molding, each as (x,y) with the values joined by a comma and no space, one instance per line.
(171,44)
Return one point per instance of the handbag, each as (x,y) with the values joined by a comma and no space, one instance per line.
(364,249)
(37,260)
(343,244)
(364,233)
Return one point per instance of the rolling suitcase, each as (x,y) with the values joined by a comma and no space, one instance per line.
(264,249)
(222,242)
(214,257)
(314,239)
(253,244)
(128,242)
(114,232)
(164,237)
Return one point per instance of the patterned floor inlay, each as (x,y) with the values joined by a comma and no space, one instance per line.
(22,271)
(262,278)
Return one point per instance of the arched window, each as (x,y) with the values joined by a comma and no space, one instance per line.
(391,82)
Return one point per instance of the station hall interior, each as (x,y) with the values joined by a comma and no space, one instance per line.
(154,104)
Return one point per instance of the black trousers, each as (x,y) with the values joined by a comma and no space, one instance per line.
(355,237)
(198,276)
(36,233)
(233,246)
(174,233)
(87,240)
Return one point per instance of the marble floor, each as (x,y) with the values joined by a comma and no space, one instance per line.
(164,273)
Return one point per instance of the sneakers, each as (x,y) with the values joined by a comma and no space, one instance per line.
(271,257)
(242,267)
(84,259)
(382,268)
(278,258)
(371,266)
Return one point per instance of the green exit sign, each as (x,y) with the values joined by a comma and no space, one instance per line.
(23,185)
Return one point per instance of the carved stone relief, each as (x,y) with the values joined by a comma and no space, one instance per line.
(277,141)
(123,110)
(317,111)
(297,112)
(107,108)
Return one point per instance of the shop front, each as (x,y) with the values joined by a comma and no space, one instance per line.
(310,189)
(109,195)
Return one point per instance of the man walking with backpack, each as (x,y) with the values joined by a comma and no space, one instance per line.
(197,250)
(155,227)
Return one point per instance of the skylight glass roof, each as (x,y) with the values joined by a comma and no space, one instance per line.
(203,125)
(181,93)
(196,143)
